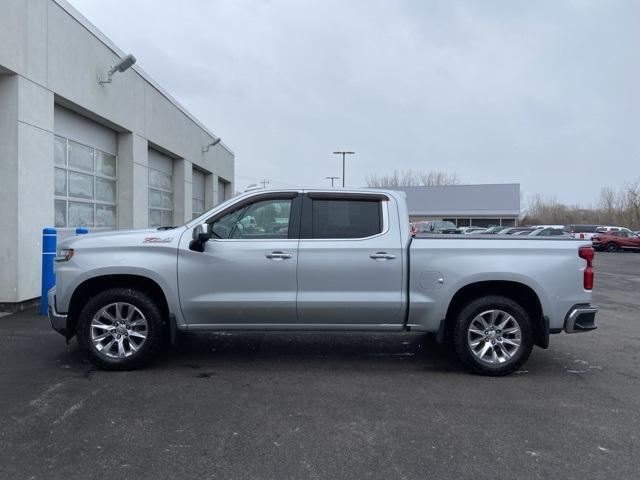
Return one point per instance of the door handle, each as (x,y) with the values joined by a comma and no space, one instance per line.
(382,256)
(278,255)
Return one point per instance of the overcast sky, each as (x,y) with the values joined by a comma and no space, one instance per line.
(540,93)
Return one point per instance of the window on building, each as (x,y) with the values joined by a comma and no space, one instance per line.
(346,218)
(197,201)
(85,185)
(224,190)
(160,190)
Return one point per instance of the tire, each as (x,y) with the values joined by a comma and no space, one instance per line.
(612,247)
(501,355)
(122,346)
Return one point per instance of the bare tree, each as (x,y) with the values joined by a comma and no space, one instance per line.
(409,178)
(614,207)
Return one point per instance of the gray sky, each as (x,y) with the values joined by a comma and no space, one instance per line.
(542,93)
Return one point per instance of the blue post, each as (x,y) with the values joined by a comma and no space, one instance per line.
(81,231)
(49,240)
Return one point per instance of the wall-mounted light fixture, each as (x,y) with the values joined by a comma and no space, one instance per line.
(212,144)
(124,63)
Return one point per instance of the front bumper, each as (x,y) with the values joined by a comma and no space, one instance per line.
(57,320)
(581,318)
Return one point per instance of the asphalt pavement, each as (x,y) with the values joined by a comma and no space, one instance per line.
(337,406)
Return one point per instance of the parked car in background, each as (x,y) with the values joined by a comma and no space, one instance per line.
(493,230)
(470,230)
(616,241)
(609,229)
(434,226)
(557,227)
(514,230)
(549,232)
(583,232)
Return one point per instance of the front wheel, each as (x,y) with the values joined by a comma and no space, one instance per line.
(612,247)
(493,336)
(120,329)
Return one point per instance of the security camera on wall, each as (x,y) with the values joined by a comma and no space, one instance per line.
(124,64)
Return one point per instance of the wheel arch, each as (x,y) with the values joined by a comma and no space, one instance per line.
(94,285)
(519,292)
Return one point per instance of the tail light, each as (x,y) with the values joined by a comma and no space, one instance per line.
(582,236)
(587,253)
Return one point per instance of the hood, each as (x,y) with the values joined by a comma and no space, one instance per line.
(123,238)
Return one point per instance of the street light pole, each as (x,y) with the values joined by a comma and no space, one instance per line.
(343,153)
(332,179)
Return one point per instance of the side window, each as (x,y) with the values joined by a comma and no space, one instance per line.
(345,218)
(267,219)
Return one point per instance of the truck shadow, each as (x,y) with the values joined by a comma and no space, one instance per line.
(208,349)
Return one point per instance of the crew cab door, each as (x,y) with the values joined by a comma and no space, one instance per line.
(349,262)
(247,272)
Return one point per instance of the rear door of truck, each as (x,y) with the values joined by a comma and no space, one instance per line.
(349,262)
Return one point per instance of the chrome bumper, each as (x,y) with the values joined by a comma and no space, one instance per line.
(58,321)
(581,318)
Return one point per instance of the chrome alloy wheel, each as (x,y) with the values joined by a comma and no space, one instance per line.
(494,337)
(118,330)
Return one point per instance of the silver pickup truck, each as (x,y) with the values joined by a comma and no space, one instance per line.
(319,260)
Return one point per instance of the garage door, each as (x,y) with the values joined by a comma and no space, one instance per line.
(160,189)
(85,172)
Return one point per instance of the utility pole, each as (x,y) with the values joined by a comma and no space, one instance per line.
(264,183)
(332,179)
(343,153)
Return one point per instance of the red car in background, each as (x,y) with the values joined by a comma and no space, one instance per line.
(615,241)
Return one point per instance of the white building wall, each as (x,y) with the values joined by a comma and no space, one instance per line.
(50,57)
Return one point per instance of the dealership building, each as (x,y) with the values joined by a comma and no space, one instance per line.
(77,150)
(465,205)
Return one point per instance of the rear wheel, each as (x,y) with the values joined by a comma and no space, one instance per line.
(120,329)
(612,247)
(493,336)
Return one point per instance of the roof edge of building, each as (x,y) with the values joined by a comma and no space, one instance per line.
(96,32)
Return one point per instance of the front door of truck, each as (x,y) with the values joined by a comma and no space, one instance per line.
(247,272)
(349,262)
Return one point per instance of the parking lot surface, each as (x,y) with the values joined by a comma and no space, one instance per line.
(284,405)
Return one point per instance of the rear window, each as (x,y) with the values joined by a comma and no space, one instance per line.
(583,228)
(345,218)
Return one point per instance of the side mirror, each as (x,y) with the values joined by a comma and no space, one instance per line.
(200,236)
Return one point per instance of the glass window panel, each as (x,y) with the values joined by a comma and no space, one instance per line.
(167,218)
(263,219)
(159,180)
(155,218)
(80,185)
(105,216)
(155,198)
(61,182)
(105,190)
(345,218)
(61,213)
(60,150)
(105,164)
(80,156)
(80,214)
(167,200)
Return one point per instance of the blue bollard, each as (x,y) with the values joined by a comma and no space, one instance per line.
(81,231)
(49,240)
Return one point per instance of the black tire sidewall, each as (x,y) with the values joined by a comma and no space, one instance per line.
(155,325)
(611,247)
(466,316)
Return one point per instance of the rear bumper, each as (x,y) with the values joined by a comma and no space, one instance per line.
(57,320)
(581,318)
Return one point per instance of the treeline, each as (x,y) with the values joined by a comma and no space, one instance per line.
(619,207)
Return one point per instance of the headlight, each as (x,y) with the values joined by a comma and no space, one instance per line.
(64,255)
